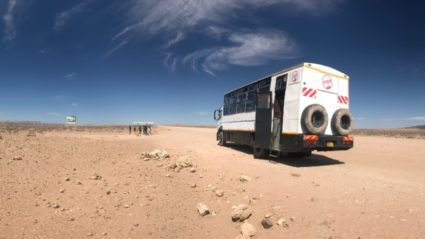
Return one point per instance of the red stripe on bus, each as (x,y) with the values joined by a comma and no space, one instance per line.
(307,92)
(313,93)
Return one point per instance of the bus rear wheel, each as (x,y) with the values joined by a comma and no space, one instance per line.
(260,153)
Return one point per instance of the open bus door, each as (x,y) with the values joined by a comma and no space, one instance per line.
(263,120)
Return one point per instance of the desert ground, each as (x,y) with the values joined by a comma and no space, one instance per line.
(94,182)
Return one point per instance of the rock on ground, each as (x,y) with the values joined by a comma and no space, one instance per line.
(241,212)
(282,222)
(244,178)
(203,209)
(266,223)
(17,158)
(248,229)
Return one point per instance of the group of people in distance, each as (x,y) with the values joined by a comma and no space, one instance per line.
(140,129)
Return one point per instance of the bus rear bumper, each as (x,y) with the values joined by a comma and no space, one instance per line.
(303,143)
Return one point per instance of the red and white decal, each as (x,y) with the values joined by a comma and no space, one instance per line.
(309,92)
(343,99)
(327,82)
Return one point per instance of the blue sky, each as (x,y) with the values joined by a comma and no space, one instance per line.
(171,61)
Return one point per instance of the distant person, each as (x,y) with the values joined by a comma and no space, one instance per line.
(129,129)
(148,130)
(140,130)
(145,129)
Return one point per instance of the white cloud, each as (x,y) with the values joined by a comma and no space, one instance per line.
(179,37)
(116,48)
(9,22)
(415,118)
(171,15)
(174,21)
(74,104)
(62,18)
(247,49)
(71,76)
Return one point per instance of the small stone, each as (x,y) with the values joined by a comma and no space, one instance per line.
(136,224)
(104,233)
(108,192)
(266,223)
(241,212)
(268,215)
(90,234)
(248,229)
(203,209)
(219,193)
(71,219)
(61,190)
(95,176)
(17,158)
(67,179)
(244,178)
(192,170)
(55,205)
(282,222)
(168,175)
(193,185)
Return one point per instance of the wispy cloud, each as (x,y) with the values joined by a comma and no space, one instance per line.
(415,118)
(174,21)
(116,48)
(9,22)
(75,104)
(64,17)
(247,49)
(71,76)
(179,37)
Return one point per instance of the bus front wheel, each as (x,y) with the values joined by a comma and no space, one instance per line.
(220,138)
(260,153)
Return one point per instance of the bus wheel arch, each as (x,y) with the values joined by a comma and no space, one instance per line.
(314,119)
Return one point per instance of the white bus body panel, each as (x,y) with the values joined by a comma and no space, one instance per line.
(291,111)
(239,122)
(325,86)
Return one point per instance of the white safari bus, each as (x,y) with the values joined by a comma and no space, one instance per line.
(293,111)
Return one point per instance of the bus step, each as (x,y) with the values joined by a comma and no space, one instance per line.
(274,154)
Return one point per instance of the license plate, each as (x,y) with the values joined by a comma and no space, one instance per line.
(330,144)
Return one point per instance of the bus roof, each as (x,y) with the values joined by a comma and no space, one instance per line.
(313,66)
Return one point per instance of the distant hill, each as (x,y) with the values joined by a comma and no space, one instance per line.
(417,127)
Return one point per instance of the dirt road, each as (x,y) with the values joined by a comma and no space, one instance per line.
(96,185)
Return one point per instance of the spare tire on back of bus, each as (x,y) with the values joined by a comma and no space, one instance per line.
(314,119)
(342,122)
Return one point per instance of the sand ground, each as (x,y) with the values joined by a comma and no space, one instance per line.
(95,185)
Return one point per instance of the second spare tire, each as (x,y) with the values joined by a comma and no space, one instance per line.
(315,119)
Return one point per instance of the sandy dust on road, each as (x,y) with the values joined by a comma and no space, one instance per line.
(96,185)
